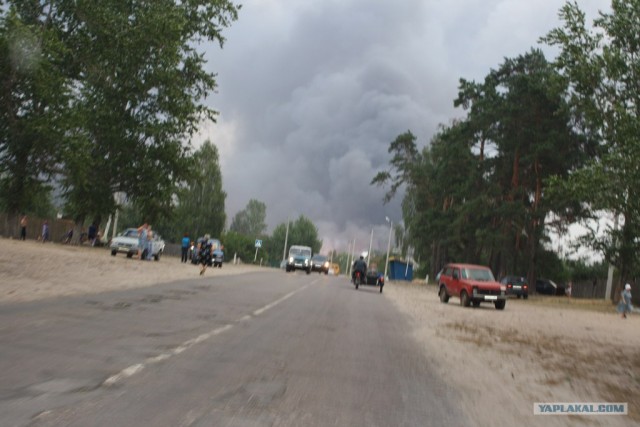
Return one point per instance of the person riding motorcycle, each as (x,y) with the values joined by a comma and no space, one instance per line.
(361,266)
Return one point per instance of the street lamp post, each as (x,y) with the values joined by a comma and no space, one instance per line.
(370,244)
(386,264)
(286,237)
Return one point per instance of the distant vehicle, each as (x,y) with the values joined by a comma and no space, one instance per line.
(320,263)
(516,285)
(299,259)
(473,284)
(127,242)
(218,253)
(549,287)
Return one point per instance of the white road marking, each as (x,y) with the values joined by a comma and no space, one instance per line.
(134,369)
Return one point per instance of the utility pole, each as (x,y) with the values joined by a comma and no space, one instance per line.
(286,237)
(370,244)
(386,264)
(347,268)
(607,293)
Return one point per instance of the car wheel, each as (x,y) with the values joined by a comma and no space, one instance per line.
(113,253)
(157,256)
(464,299)
(444,298)
(475,303)
(129,254)
(500,304)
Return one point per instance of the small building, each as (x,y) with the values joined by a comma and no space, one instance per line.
(400,270)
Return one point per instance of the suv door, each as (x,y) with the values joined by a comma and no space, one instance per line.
(455,281)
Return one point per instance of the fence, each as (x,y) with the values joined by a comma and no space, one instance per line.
(597,289)
(57,228)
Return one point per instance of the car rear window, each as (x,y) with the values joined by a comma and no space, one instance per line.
(479,274)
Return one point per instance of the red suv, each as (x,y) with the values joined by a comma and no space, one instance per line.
(473,284)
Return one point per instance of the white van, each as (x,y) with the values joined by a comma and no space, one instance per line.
(299,258)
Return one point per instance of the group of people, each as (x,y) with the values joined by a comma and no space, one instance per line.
(44,235)
(93,235)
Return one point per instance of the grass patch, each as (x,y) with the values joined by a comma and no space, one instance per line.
(586,304)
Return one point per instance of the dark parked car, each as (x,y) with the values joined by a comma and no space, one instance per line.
(320,264)
(516,285)
(548,287)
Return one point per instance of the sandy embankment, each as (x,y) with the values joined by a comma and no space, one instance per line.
(31,270)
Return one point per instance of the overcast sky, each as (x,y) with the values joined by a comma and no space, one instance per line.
(312,92)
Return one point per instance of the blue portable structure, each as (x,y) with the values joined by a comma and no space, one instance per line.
(400,270)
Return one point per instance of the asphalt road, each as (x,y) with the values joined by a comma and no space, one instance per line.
(272,349)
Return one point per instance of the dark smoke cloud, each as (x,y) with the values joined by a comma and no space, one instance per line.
(311,93)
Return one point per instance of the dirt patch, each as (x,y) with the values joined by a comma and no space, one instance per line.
(30,270)
(536,350)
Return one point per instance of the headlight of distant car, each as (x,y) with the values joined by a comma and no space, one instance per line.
(326,264)
(291,259)
(306,261)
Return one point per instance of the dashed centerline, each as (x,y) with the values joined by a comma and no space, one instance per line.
(134,369)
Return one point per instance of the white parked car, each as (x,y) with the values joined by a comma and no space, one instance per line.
(127,242)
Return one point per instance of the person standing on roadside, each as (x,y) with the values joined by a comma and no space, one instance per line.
(149,243)
(45,231)
(624,306)
(23,227)
(142,240)
(186,242)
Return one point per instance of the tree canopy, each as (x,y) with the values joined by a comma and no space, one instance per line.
(103,97)
(251,220)
(601,66)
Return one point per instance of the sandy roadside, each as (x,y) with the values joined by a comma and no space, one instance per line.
(500,362)
(30,270)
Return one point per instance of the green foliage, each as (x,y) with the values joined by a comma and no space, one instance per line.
(477,193)
(238,244)
(301,232)
(582,271)
(200,207)
(33,111)
(251,220)
(104,97)
(601,66)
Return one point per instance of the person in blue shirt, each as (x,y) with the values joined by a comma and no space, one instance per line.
(186,242)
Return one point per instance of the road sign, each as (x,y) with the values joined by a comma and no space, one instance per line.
(258,243)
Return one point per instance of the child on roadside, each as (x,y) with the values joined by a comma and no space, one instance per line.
(45,231)
(624,306)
